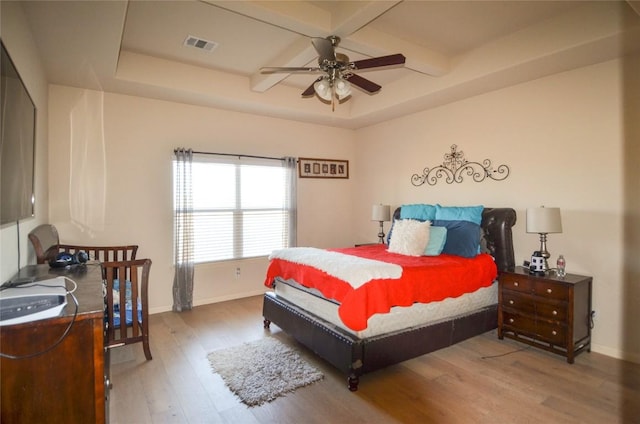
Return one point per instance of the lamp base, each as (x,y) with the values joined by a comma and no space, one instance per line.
(381,233)
(544,252)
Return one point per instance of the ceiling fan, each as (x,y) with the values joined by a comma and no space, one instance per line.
(338,71)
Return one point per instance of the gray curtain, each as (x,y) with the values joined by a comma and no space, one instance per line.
(292,189)
(183,232)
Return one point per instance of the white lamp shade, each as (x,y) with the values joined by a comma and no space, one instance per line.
(343,88)
(544,220)
(381,213)
(323,89)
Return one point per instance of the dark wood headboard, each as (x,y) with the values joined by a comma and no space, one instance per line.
(496,224)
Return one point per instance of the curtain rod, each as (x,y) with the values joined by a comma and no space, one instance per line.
(232,154)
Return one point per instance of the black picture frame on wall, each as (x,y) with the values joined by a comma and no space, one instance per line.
(323,168)
(17,144)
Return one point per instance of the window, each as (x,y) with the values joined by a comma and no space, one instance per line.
(243,207)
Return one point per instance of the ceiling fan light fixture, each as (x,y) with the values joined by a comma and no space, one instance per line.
(343,88)
(338,71)
(323,89)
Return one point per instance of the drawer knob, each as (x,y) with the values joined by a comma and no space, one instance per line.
(555,312)
(511,302)
(515,283)
(554,332)
(511,320)
(549,291)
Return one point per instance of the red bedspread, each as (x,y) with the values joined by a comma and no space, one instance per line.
(424,279)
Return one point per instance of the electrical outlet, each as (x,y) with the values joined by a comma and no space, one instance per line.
(238,272)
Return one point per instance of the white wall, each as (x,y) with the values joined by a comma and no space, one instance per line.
(563,139)
(16,36)
(110,162)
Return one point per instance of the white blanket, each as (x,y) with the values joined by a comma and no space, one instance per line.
(354,270)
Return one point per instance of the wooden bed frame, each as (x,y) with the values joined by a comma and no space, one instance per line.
(356,356)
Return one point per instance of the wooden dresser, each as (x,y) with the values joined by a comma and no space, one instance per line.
(67,383)
(547,312)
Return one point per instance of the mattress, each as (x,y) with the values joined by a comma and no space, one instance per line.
(400,317)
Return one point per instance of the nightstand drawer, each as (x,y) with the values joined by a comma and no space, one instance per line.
(552,311)
(551,290)
(552,332)
(519,301)
(519,323)
(516,282)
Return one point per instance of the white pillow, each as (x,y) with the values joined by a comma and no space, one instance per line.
(409,237)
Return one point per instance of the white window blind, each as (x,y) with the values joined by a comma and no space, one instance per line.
(241,207)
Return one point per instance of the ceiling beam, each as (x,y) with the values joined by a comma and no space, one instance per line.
(347,20)
(349,17)
(300,17)
(305,19)
(371,42)
(300,53)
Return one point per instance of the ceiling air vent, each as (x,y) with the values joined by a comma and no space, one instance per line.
(200,43)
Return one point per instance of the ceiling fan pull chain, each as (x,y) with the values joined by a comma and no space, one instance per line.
(333,98)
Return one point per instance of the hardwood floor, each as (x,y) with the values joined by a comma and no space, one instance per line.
(482,380)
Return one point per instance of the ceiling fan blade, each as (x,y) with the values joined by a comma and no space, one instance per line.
(276,69)
(325,49)
(310,91)
(364,83)
(375,62)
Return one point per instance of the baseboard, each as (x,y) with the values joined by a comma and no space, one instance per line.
(218,299)
(616,353)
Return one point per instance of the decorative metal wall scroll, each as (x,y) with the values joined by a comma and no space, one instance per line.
(455,166)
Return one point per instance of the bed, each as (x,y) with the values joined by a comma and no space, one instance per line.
(314,319)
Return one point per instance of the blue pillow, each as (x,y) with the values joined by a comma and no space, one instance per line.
(463,237)
(437,239)
(460,213)
(418,212)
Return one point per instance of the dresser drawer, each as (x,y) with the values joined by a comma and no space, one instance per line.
(551,290)
(519,323)
(554,311)
(516,283)
(554,333)
(518,301)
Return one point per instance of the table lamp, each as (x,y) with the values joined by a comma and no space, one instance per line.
(544,221)
(381,213)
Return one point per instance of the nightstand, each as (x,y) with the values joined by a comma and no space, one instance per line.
(547,312)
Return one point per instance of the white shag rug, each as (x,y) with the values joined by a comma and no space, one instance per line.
(261,371)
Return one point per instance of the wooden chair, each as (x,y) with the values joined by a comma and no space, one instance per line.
(103,253)
(127,283)
(118,262)
(45,241)
(46,244)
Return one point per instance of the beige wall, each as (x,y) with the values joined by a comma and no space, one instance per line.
(564,141)
(16,37)
(111,179)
